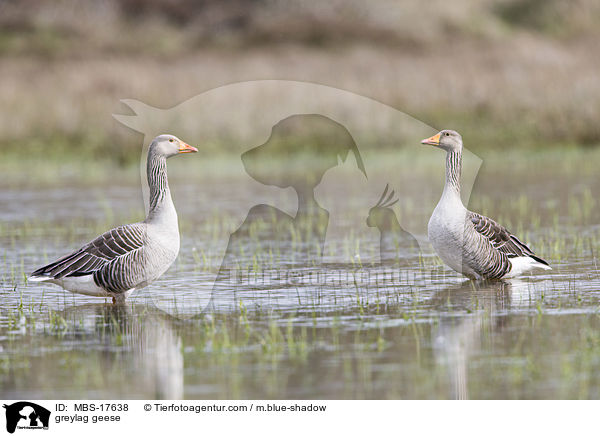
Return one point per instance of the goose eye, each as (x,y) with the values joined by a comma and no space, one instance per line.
(447,134)
(170,140)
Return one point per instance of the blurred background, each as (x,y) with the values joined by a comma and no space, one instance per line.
(505,73)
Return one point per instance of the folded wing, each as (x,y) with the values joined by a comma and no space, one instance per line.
(113,250)
(501,239)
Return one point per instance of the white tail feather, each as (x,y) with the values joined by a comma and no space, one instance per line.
(524,263)
(38,278)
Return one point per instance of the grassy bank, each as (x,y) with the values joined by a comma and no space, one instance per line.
(509,73)
(86,165)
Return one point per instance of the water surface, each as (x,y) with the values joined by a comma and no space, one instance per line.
(308,327)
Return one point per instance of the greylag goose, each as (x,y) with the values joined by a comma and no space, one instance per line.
(127,257)
(468,242)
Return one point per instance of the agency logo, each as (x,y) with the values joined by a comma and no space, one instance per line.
(26,415)
(306,165)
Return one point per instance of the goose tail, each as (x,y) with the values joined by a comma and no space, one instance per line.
(38,278)
(522,264)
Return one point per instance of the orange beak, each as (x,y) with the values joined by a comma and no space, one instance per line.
(186,148)
(434,140)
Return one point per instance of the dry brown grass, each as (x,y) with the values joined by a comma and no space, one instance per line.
(497,70)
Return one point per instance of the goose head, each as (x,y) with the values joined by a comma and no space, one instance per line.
(169,145)
(448,140)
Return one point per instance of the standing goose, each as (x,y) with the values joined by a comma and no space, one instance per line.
(127,257)
(468,242)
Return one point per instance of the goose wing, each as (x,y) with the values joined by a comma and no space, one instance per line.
(113,247)
(500,238)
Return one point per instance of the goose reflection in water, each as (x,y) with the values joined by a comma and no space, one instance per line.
(139,337)
(460,335)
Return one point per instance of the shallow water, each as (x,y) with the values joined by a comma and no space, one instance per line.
(296,327)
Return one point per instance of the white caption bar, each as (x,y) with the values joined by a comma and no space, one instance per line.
(296,417)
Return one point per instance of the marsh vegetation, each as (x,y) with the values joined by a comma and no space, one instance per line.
(423,333)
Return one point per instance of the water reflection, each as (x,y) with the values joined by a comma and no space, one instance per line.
(140,340)
(483,309)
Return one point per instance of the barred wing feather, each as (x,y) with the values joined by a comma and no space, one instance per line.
(116,247)
(500,238)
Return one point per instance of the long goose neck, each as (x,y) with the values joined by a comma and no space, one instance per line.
(160,195)
(453,170)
